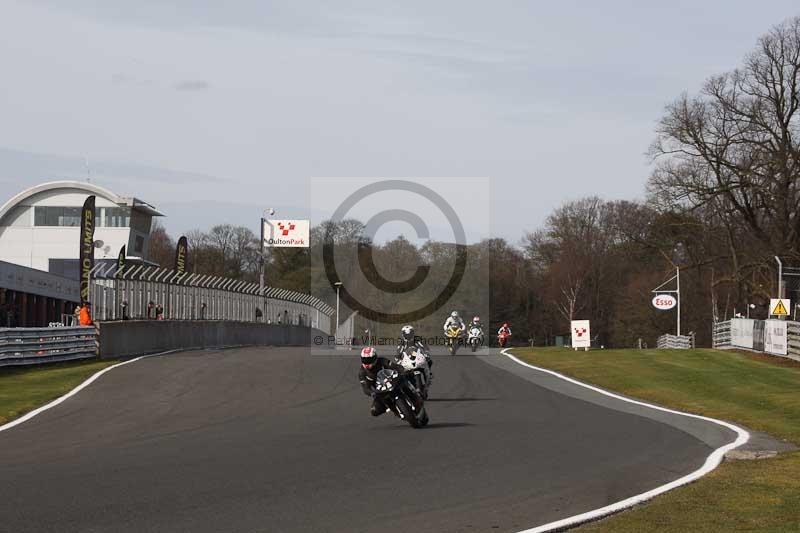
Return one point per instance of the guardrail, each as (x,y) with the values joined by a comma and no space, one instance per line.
(187,296)
(793,340)
(752,339)
(676,342)
(26,346)
(721,335)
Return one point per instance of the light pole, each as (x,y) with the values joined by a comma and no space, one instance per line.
(678,294)
(338,286)
(262,262)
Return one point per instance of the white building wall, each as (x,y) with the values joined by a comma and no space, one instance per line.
(22,243)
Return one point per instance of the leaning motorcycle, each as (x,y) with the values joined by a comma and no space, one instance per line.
(401,397)
(475,338)
(453,337)
(415,362)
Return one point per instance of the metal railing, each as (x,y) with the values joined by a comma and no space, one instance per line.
(721,335)
(793,340)
(676,342)
(27,346)
(135,291)
(722,339)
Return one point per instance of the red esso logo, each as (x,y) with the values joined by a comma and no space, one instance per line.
(664,301)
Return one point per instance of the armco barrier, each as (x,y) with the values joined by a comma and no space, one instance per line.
(32,346)
(139,337)
(751,335)
(675,342)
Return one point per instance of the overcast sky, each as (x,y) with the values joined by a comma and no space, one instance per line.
(192,105)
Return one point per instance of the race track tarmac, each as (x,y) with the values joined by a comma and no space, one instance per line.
(278,439)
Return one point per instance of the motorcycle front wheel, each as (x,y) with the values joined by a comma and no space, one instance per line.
(408,413)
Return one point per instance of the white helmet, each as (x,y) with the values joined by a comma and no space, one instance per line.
(407,332)
(454,314)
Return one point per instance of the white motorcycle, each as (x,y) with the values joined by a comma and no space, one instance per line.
(475,338)
(415,361)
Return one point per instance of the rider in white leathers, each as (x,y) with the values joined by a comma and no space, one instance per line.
(409,350)
(454,320)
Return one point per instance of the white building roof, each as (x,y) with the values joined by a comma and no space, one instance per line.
(91,188)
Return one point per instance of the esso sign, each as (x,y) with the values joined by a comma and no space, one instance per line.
(664,301)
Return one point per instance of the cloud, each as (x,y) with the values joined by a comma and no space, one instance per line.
(193,85)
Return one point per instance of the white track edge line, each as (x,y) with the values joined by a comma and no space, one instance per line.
(76,390)
(711,463)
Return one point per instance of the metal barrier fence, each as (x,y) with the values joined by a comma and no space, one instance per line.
(25,346)
(793,340)
(750,335)
(721,336)
(676,342)
(136,291)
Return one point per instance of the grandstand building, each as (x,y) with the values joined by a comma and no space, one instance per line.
(40,233)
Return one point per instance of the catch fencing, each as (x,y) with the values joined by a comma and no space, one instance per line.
(135,292)
(774,337)
(26,346)
(676,342)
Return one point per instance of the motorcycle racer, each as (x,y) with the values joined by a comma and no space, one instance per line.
(476,323)
(409,339)
(454,320)
(504,329)
(371,364)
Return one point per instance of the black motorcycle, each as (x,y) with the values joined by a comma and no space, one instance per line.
(401,397)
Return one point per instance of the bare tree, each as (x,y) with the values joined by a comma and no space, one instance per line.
(735,145)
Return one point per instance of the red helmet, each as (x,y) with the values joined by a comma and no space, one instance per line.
(368,357)
(505,324)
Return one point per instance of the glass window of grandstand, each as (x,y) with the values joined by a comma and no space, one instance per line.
(57,216)
(118,217)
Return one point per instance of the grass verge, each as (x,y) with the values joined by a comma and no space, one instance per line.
(760,393)
(24,389)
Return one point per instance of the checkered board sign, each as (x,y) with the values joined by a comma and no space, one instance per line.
(581,334)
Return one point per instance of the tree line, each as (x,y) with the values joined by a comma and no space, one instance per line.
(721,202)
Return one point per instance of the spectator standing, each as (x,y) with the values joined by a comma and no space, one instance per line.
(85,315)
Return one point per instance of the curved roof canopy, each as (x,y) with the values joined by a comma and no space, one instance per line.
(90,188)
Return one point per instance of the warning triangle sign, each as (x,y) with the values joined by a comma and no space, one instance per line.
(780,309)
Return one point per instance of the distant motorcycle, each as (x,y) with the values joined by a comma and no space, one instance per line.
(475,338)
(453,335)
(401,397)
(502,339)
(416,365)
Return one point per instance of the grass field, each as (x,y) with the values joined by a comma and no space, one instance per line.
(761,393)
(25,389)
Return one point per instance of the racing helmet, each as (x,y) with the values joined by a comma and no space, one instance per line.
(407,332)
(505,324)
(476,319)
(368,357)
(454,314)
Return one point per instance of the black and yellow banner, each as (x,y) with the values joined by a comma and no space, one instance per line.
(87,247)
(121,261)
(181,253)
